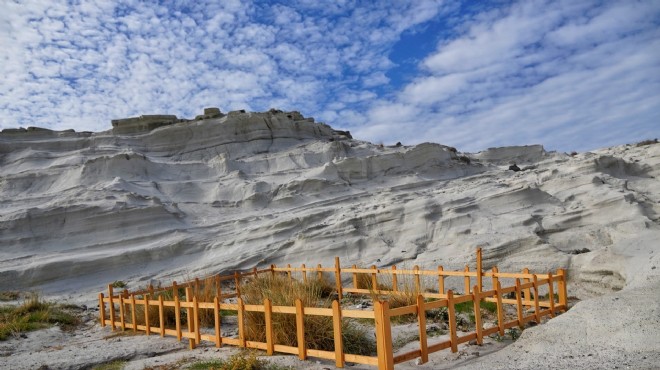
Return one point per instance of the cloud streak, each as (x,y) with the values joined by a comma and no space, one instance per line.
(570,75)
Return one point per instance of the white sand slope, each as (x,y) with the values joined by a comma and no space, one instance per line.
(249,189)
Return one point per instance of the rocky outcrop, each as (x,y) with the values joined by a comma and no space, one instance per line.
(247,189)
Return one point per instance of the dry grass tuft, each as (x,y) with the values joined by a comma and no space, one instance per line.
(318,329)
(33,314)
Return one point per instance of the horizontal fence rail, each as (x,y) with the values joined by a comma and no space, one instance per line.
(121,310)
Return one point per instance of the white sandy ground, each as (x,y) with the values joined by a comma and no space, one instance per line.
(80,210)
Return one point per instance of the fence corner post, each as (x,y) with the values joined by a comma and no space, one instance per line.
(101,310)
(561,289)
(383,335)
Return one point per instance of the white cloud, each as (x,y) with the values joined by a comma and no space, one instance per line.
(568,74)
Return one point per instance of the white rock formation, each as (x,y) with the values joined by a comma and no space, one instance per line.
(249,189)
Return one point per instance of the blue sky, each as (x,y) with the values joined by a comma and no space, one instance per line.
(571,75)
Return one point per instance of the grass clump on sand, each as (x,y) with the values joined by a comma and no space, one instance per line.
(33,314)
(245,360)
(114,365)
(318,329)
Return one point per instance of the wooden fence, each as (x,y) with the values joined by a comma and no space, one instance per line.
(120,310)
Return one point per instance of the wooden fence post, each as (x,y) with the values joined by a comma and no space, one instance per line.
(527,295)
(500,309)
(374,278)
(111,307)
(237,282)
(121,312)
(300,329)
(476,300)
(336,326)
(197,287)
(537,308)
(272,270)
(177,317)
(288,272)
(304,273)
(198,334)
(418,284)
(561,289)
(217,321)
(241,323)
(161,315)
(519,305)
(383,335)
(175,289)
(338,278)
(496,280)
(421,320)
(133,313)
(395,280)
(355,278)
(451,309)
(467,280)
(268,318)
(479,272)
(441,281)
(551,295)
(319,273)
(102,309)
(146,314)
(218,286)
(189,317)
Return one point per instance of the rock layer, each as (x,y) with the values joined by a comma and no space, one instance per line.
(251,189)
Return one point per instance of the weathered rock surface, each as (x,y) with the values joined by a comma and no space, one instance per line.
(79,210)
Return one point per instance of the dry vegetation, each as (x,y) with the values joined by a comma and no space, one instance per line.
(318,329)
(34,313)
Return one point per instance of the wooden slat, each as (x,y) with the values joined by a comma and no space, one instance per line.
(258,345)
(405,310)
(285,349)
(510,324)
(359,359)
(232,341)
(489,331)
(207,337)
(171,332)
(253,308)
(463,298)
(284,309)
(436,304)
(357,314)
(321,354)
(407,356)
(466,338)
(439,346)
(318,311)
